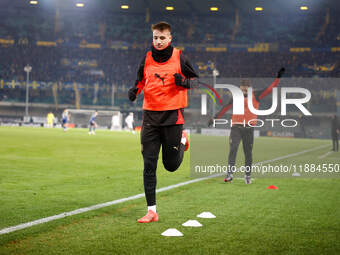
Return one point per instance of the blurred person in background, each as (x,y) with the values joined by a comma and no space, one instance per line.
(65,118)
(335,130)
(50,120)
(93,123)
(243,126)
(115,122)
(129,122)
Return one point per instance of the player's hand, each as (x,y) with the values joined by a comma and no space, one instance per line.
(280,72)
(181,81)
(133,94)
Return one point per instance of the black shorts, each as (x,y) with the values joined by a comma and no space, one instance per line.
(152,137)
(163,118)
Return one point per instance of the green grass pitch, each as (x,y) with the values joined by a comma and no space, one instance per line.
(44,172)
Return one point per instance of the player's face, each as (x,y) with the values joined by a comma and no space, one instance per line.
(161,39)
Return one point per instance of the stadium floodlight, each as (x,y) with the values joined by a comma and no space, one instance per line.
(259,9)
(303,8)
(214,9)
(169,8)
(80,5)
(33,2)
(216,72)
(27,69)
(125,6)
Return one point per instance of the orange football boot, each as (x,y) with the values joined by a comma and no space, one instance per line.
(184,134)
(149,217)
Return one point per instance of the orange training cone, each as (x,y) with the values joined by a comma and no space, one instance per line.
(272,187)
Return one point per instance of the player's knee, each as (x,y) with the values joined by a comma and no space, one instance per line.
(248,154)
(170,166)
(233,146)
(150,169)
(150,165)
(149,172)
(232,152)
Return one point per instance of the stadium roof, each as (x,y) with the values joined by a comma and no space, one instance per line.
(180,6)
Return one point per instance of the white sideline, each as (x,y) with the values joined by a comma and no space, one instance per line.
(122,200)
(326,154)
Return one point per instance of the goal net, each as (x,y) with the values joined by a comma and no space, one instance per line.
(104,119)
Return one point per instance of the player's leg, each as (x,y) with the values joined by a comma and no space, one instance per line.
(248,142)
(131,128)
(337,143)
(172,146)
(150,142)
(333,142)
(234,142)
(94,128)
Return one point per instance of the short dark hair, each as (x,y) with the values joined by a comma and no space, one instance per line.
(161,26)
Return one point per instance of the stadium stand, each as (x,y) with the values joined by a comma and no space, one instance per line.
(87,60)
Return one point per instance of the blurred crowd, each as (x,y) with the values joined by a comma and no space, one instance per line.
(319,26)
(107,66)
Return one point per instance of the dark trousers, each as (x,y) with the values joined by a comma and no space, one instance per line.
(246,134)
(152,138)
(335,139)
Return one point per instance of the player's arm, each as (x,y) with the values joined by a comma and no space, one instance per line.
(190,78)
(265,92)
(139,83)
(225,108)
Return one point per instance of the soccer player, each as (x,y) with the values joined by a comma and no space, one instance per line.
(165,75)
(241,130)
(93,123)
(335,130)
(129,122)
(115,122)
(65,118)
(50,119)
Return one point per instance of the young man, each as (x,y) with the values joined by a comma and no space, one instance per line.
(129,122)
(165,75)
(335,130)
(65,118)
(115,122)
(241,130)
(50,120)
(93,123)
